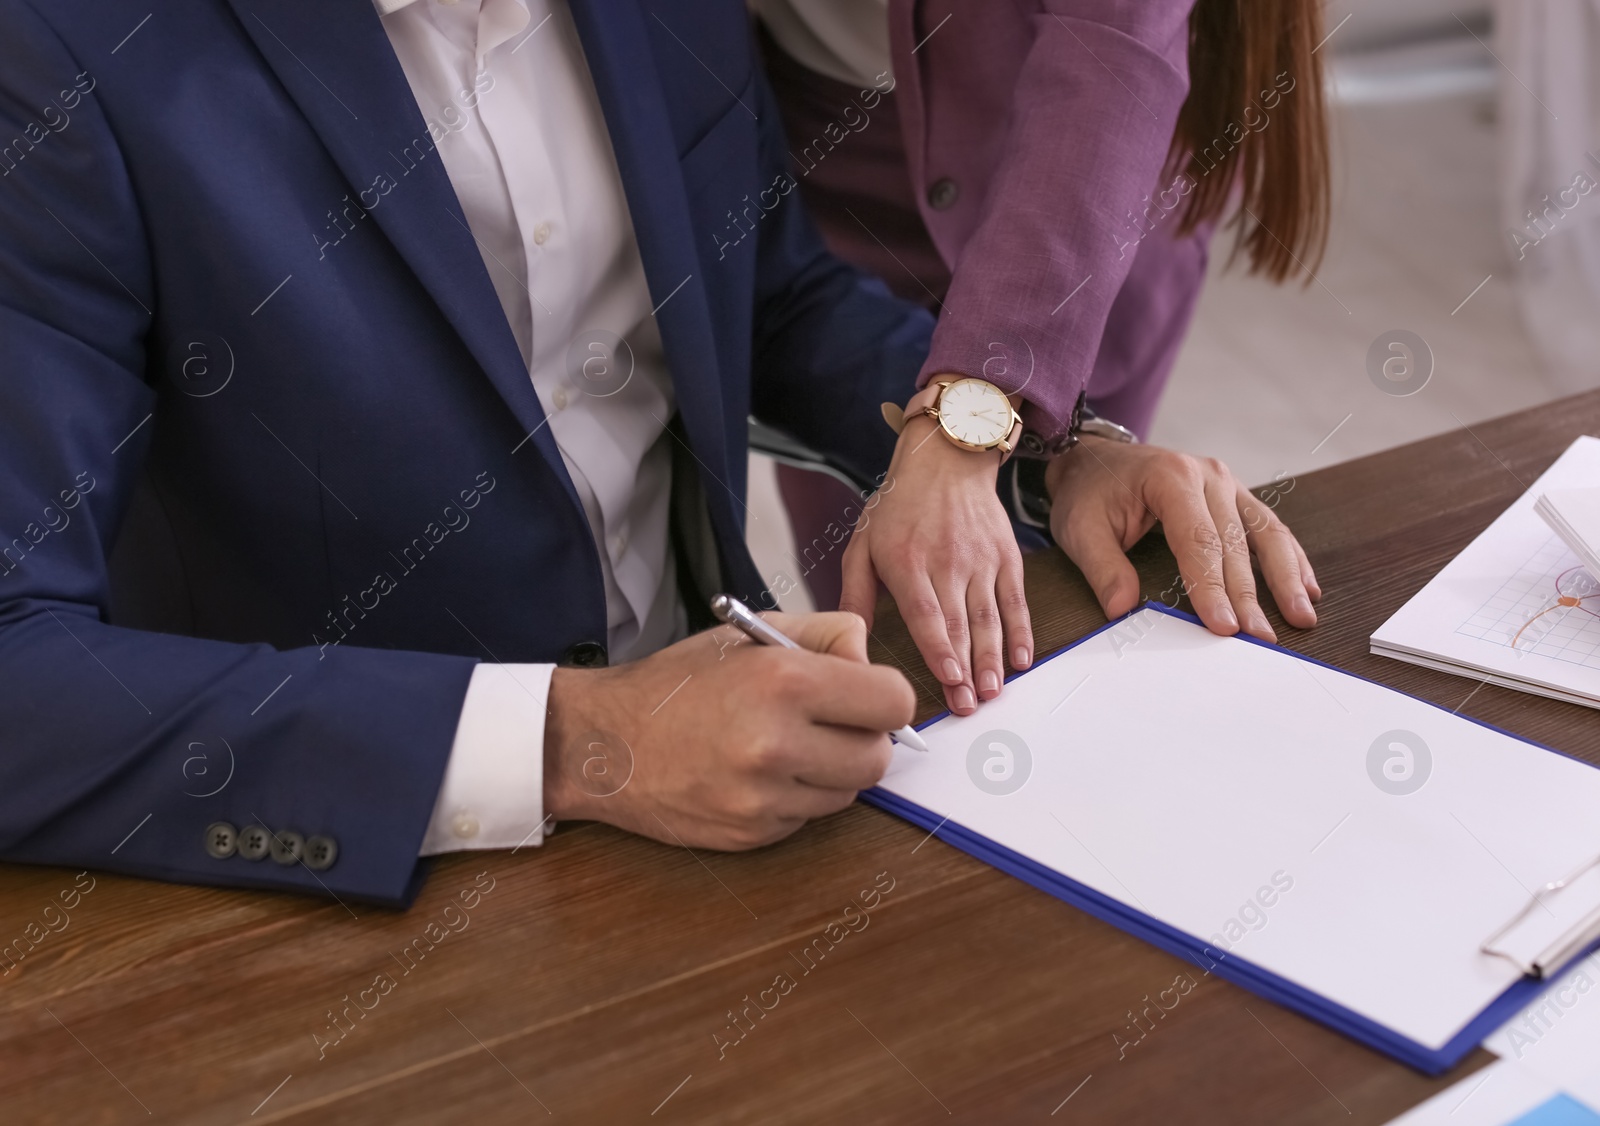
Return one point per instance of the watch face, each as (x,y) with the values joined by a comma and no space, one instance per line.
(975,412)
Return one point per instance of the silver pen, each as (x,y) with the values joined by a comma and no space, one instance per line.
(729,609)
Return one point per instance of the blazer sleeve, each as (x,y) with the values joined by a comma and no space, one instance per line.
(1091,119)
(830,343)
(121,746)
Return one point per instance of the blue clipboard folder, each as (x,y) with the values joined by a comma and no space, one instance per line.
(1416,876)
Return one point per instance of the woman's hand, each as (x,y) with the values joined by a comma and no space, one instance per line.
(1106,495)
(939,538)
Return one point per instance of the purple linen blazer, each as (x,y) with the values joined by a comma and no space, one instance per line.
(1036,132)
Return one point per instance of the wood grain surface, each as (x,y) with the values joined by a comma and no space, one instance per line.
(593,979)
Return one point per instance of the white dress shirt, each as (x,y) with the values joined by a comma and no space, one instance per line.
(847,40)
(508,99)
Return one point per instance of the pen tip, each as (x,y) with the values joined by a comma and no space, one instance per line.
(908,737)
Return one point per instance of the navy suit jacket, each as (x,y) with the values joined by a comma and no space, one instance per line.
(268,492)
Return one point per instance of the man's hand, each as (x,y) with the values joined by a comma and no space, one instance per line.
(1106,495)
(941,541)
(717,742)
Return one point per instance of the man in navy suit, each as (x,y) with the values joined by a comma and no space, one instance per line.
(335,406)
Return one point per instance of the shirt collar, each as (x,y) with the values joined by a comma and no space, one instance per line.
(389,7)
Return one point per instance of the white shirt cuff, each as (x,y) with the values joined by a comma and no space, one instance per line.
(493,790)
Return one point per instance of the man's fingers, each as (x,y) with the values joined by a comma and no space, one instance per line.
(812,802)
(858,591)
(1014,617)
(841,759)
(988,658)
(873,697)
(1221,500)
(838,633)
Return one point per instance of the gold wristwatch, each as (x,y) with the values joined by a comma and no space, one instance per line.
(973,413)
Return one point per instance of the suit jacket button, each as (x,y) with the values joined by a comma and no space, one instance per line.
(321,852)
(943,194)
(254,842)
(288,847)
(584,655)
(222,839)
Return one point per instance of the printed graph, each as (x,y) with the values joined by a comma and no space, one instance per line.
(1551,607)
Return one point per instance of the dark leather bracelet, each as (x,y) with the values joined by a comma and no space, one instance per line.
(1030,499)
(1036,446)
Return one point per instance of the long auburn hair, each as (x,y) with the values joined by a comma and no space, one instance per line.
(1240,53)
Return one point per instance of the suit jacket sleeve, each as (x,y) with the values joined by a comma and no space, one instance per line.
(122,746)
(830,343)
(1091,120)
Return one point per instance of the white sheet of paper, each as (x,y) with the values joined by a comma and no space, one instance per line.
(1184,773)
(1492,1096)
(1516,606)
(1558,1036)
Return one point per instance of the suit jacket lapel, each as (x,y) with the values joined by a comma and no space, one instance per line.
(336,63)
(631,96)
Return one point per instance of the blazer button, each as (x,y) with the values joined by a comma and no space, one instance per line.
(254,842)
(288,847)
(222,839)
(321,852)
(943,194)
(584,655)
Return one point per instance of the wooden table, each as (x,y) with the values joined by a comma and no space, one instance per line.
(594,976)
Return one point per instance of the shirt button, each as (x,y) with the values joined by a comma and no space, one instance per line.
(465,826)
(943,194)
(619,543)
(541,234)
(558,398)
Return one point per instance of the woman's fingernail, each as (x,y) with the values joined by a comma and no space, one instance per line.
(952,671)
(1302,605)
(964,701)
(1227,618)
(988,682)
(1020,657)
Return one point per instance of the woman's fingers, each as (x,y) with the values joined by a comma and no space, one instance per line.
(1192,535)
(858,589)
(1091,542)
(925,619)
(1014,617)
(1221,500)
(1280,558)
(1307,575)
(952,593)
(1210,522)
(988,659)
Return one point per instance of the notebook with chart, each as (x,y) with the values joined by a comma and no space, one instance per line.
(1574,515)
(1329,843)
(1516,608)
